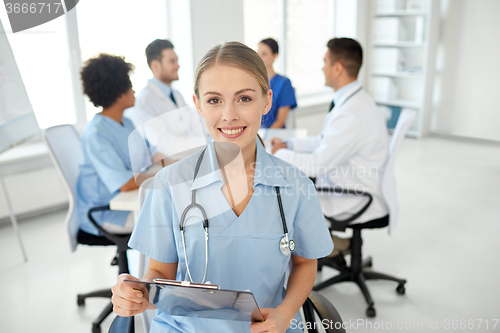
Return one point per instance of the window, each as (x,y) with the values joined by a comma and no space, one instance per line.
(42,57)
(309,26)
(302,29)
(124,28)
(263,19)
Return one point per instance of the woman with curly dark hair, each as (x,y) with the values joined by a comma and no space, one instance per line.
(106,169)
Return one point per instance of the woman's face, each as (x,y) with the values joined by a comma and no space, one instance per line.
(266,54)
(232,103)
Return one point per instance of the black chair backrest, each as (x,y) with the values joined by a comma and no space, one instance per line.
(329,318)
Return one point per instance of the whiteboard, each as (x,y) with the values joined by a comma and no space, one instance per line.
(17,120)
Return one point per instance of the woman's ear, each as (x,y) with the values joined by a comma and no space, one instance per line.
(197,105)
(268,101)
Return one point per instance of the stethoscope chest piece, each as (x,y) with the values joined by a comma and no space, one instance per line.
(287,246)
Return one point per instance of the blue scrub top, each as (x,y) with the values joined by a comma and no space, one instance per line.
(106,168)
(243,251)
(283,95)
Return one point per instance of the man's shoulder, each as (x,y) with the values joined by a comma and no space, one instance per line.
(358,104)
(145,92)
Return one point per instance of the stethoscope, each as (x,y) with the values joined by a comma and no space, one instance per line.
(349,97)
(287,245)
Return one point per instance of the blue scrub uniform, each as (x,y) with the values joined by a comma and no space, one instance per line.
(106,168)
(283,95)
(244,251)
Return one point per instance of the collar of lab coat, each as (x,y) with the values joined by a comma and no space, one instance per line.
(154,88)
(265,172)
(343,93)
(165,88)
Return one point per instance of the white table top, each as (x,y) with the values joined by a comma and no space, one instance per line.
(125,201)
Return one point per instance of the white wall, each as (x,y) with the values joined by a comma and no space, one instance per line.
(196,26)
(180,34)
(467,84)
(215,22)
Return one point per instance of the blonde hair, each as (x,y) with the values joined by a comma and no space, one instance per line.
(237,55)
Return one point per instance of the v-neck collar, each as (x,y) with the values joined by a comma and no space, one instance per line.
(265,172)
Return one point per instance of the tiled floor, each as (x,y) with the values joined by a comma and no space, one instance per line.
(446,245)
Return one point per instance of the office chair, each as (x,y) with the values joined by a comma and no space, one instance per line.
(66,153)
(359,271)
(315,307)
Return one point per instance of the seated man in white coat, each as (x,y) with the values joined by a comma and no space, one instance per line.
(352,149)
(176,127)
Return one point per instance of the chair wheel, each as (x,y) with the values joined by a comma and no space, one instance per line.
(80,300)
(96,328)
(370,312)
(401,289)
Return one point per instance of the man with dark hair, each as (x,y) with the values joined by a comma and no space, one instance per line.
(158,97)
(352,149)
(176,127)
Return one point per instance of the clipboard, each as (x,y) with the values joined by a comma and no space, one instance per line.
(182,298)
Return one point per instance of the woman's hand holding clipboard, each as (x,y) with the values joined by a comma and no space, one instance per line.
(182,298)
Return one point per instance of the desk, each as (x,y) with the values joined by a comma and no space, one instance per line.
(268,133)
(126,201)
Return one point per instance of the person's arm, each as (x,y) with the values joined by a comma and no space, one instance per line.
(307,144)
(129,299)
(130,185)
(281,117)
(300,284)
(339,142)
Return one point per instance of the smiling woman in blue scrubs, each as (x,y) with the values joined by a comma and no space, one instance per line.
(283,92)
(106,169)
(237,185)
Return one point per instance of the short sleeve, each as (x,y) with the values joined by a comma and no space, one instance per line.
(153,234)
(287,95)
(106,161)
(311,234)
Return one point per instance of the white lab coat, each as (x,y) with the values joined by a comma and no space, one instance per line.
(152,102)
(350,152)
(176,128)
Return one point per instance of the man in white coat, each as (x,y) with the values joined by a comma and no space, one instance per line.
(176,127)
(158,97)
(352,149)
